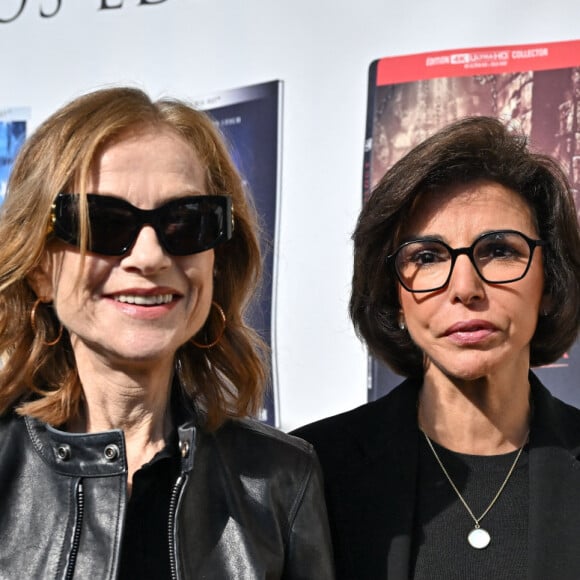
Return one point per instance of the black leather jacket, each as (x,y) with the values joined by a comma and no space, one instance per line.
(247,504)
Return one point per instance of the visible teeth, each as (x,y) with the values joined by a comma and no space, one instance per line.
(144,300)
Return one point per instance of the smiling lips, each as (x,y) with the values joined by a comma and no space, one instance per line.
(144,300)
(145,305)
(160,296)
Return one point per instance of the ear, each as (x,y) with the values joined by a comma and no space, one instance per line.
(401,320)
(546,304)
(40,279)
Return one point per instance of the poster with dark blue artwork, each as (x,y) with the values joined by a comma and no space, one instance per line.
(250,119)
(12,135)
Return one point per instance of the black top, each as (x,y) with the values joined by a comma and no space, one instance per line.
(440,550)
(370,458)
(145,545)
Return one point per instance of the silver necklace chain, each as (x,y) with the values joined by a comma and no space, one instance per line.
(499,491)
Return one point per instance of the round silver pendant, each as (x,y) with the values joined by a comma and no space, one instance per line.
(479,538)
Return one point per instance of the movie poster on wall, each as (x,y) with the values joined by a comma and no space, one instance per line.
(535,87)
(12,135)
(250,118)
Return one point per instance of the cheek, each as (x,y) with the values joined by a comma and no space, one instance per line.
(200,276)
(422,316)
(530,293)
(412,307)
(199,270)
(74,278)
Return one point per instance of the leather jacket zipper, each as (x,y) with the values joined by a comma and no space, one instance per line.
(80,497)
(175,493)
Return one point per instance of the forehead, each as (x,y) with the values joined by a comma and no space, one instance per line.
(149,156)
(470,209)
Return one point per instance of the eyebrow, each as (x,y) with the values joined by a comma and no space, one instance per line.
(427,238)
(172,197)
(439,238)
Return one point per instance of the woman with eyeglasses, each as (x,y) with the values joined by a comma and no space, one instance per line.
(466,274)
(128,256)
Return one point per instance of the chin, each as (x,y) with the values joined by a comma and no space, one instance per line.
(466,370)
(467,376)
(143,353)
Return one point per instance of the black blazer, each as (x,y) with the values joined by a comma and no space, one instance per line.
(369,458)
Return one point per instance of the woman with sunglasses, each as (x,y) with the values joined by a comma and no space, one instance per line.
(466,274)
(128,256)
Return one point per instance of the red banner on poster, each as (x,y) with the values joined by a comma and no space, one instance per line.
(467,62)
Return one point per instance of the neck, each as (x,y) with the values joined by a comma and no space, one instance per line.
(135,401)
(487,416)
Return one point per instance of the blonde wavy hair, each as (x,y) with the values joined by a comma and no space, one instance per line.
(41,381)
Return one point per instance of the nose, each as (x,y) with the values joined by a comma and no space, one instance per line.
(465,284)
(146,255)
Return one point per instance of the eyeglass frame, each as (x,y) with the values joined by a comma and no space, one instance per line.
(468,251)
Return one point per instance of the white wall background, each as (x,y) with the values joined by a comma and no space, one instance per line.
(321,49)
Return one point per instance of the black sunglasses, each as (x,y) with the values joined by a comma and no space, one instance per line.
(184,226)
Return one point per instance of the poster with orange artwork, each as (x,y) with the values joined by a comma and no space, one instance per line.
(534,86)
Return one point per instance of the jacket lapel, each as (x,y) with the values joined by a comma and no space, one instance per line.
(374,499)
(554,524)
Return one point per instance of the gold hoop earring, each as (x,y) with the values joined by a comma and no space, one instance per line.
(35,326)
(220,334)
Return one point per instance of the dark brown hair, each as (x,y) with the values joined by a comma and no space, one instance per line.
(469,150)
(227,379)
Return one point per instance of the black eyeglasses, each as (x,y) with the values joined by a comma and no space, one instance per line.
(184,226)
(499,257)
